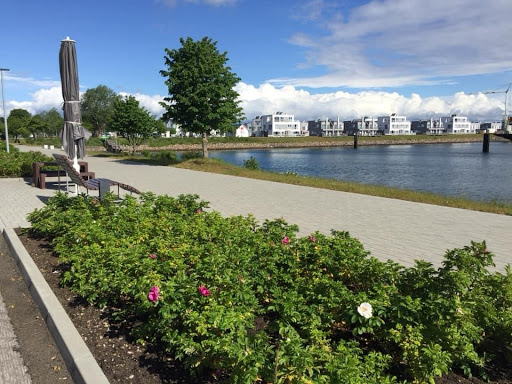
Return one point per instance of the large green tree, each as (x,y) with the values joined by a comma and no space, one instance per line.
(201,89)
(53,121)
(17,123)
(96,106)
(132,121)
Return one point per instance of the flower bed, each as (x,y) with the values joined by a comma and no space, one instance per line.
(250,302)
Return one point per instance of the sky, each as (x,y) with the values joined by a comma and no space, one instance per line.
(311,58)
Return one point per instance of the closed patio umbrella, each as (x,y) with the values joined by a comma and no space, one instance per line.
(73,135)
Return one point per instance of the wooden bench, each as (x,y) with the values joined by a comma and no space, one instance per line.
(112,146)
(100,184)
(41,170)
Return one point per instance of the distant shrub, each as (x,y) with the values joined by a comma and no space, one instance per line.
(251,163)
(191,155)
(166,157)
(145,153)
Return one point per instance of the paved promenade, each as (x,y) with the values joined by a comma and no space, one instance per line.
(390,229)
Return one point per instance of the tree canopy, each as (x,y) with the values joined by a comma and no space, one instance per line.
(18,122)
(96,106)
(201,89)
(132,121)
(53,121)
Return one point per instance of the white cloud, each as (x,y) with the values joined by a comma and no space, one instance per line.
(151,103)
(29,81)
(42,100)
(267,99)
(408,42)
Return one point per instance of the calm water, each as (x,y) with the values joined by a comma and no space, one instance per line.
(447,169)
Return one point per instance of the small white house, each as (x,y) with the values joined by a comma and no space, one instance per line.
(242,131)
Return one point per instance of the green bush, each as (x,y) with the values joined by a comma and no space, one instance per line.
(166,157)
(17,163)
(256,303)
(251,163)
(190,155)
(145,153)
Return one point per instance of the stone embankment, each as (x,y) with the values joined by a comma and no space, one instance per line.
(363,141)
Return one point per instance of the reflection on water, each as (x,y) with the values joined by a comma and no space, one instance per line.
(447,169)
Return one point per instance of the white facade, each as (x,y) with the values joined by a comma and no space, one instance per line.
(332,127)
(457,125)
(394,125)
(304,128)
(280,124)
(369,126)
(493,127)
(242,131)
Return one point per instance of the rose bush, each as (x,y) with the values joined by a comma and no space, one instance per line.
(252,302)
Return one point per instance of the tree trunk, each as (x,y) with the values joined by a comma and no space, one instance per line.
(205,145)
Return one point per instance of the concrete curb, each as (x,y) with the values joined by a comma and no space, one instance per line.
(79,360)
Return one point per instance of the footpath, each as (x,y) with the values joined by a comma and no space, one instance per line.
(390,229)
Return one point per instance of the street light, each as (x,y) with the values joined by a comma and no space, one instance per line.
(3,103)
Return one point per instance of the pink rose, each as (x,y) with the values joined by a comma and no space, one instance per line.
(312,238)
(153,255)
(153,294)
(204,291)
(285,240)
(199,210)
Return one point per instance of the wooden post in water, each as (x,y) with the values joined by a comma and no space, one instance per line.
(355,140)
(486,142)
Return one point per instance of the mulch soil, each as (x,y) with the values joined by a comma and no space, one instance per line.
(122,360)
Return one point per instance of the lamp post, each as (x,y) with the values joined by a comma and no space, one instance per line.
(3,103)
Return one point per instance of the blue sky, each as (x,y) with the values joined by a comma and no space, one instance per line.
(312,58)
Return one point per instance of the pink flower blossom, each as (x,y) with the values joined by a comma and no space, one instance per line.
(199,210)
(285,240)
(153,255)
(312,238)
(153,294)
(204,291)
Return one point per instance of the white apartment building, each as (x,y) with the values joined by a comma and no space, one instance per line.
(394,125)
(457,124)
(280,124)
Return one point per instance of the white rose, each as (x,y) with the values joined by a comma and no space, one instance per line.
(365,310)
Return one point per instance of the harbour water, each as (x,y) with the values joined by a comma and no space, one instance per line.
(460,170)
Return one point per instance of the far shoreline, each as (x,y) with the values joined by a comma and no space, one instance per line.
(310,142)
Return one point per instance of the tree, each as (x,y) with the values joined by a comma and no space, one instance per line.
(160,126)
(96,106)
(133,122)
(36,126)
(53,121)
(18,121)
(201,95)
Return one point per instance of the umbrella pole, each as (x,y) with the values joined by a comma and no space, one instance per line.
(77,167)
